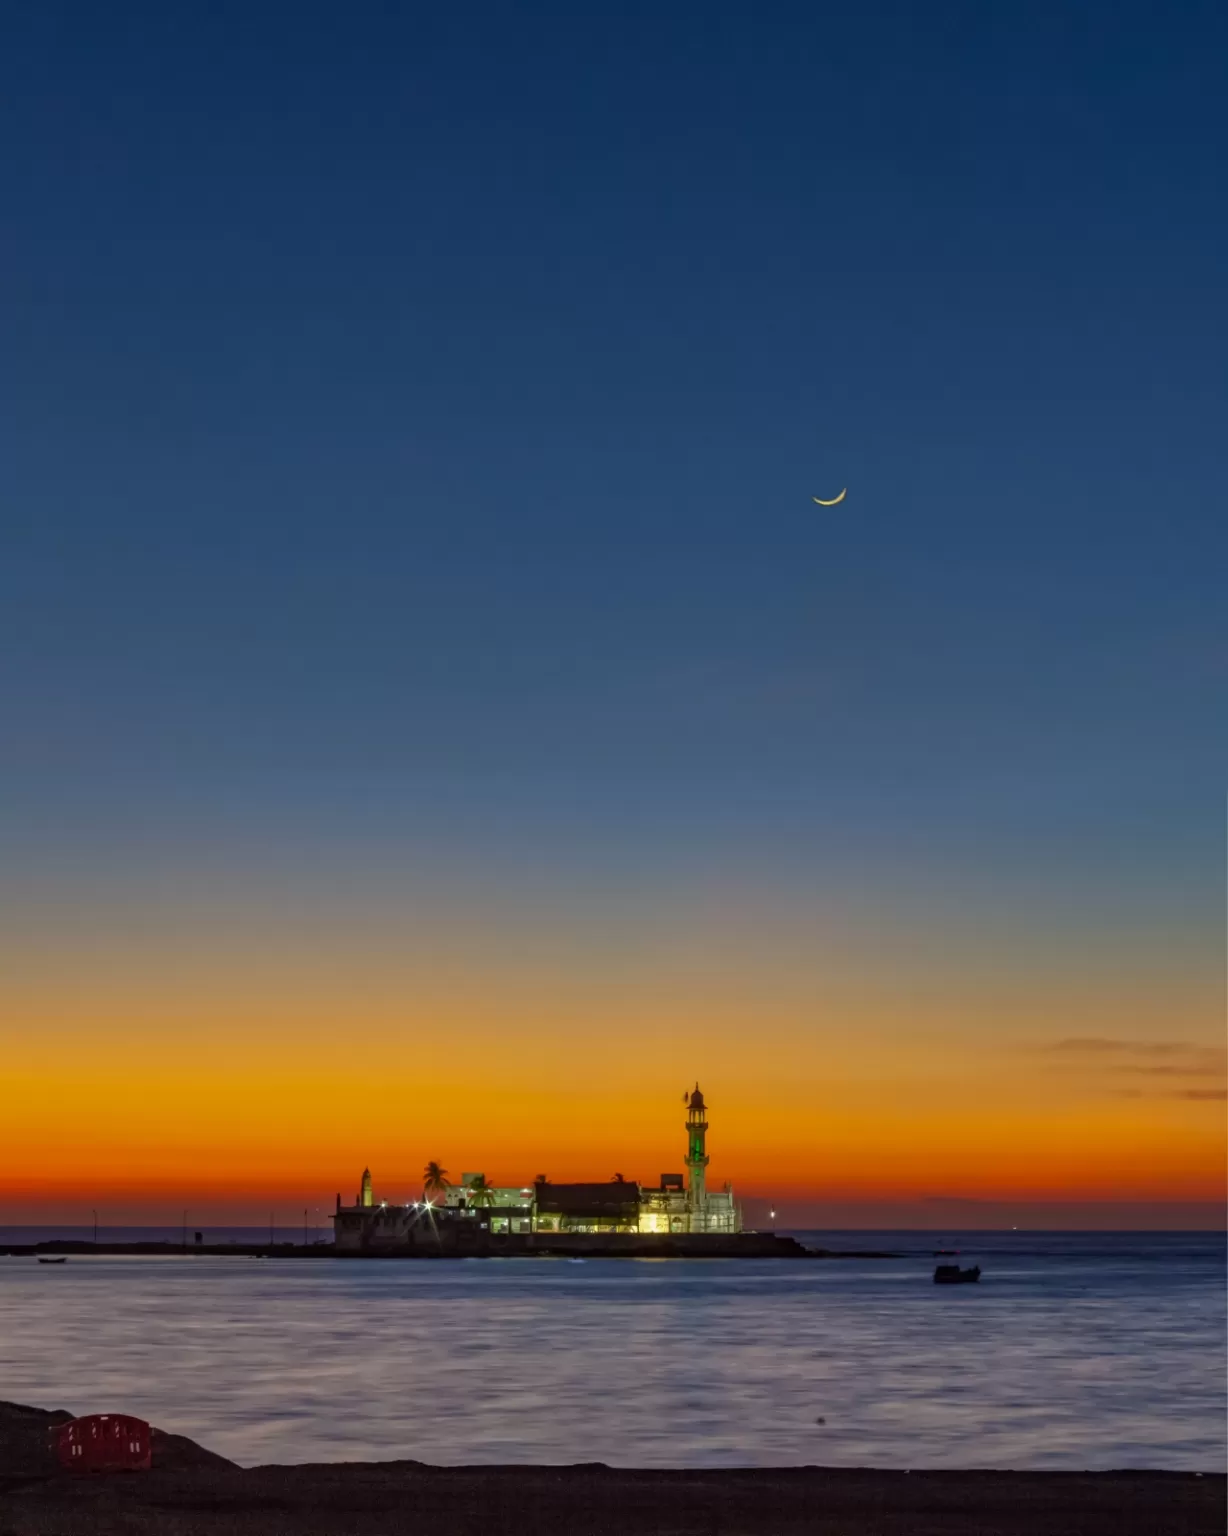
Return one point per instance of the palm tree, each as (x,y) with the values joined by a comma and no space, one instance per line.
(480,1191)
(618,1179)
(435,1180)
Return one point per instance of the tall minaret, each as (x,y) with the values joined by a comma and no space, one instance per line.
(366,1198)
(697,1159)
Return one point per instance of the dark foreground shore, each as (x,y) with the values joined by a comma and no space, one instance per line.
(191,1492)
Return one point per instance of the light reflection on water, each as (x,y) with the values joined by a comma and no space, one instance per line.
(1072,1352)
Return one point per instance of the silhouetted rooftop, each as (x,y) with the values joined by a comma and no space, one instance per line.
(612,1199)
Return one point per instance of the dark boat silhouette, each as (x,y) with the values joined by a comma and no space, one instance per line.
(61,1260)
(951,1274)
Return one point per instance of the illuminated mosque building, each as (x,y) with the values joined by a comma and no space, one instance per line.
(678,1205)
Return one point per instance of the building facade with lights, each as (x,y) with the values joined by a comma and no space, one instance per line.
(474,1210)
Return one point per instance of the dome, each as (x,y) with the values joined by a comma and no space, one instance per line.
(697,1098)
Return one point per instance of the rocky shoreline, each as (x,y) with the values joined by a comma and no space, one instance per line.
(192,1492)
(747,1245)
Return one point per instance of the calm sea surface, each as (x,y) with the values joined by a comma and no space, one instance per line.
(1074,1351)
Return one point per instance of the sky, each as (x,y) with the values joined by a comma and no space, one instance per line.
(437,721)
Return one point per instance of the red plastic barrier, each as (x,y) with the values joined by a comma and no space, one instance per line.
(103,1442)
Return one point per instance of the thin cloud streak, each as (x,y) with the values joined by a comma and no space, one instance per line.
(1195,1069)
(1190,1095)
(1098,1045)
(1141,1058)
(1110,1060)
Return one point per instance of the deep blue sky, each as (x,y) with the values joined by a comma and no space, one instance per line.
(409,417)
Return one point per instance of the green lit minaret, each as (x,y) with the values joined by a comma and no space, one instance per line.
(697,1158)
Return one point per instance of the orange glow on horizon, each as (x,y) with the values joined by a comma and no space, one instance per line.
(247,1075)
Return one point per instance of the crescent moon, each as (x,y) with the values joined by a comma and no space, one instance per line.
(834,501)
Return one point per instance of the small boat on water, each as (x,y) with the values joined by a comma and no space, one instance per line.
(951,1274)
(43,1259)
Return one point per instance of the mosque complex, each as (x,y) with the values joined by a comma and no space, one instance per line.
(475,1210)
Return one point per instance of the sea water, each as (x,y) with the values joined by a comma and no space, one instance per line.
(1074,1351)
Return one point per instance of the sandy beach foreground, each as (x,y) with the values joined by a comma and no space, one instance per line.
(192,1492)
